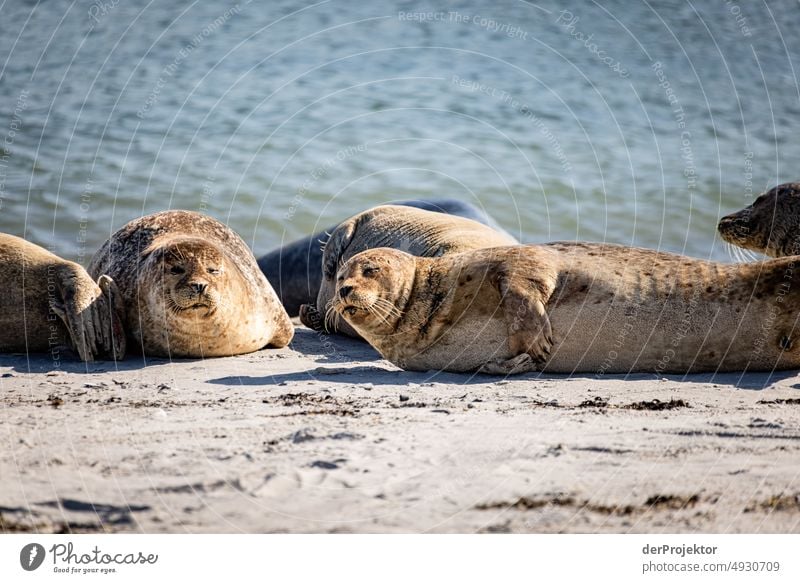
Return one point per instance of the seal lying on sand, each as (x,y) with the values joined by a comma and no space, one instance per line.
(191,288)
(771,225)
(416,231)
(295,269)
(49,303)
(572,307)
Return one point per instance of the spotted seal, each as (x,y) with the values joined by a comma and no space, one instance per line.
(191,288)
(49,303)
(572,307)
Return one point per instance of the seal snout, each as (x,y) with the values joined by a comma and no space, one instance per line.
(345,291)
(734,227)
(198,287)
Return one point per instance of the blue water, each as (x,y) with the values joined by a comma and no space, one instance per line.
(280,118)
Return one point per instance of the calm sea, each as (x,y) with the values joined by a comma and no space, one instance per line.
(630,122)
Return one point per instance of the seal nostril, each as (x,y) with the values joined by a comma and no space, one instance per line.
(198,287)
(345,290)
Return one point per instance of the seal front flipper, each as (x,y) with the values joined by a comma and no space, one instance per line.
(109,311)
(75,311)
(519,364)
(311,318)
(522,301)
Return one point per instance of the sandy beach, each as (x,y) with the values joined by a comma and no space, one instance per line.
(324,436)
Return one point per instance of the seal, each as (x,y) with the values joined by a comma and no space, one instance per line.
(191,288)
(295,269)
(572,307)
(49,303)
(771,225)
(416,231)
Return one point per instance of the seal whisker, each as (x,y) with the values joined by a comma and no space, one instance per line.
(750,254)
(331,321)
(391,309)
(380,311)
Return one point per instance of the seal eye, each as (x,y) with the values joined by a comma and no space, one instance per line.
(213,271)
(177,270)
(371,270)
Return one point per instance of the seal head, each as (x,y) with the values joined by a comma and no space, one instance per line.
(372,290)
(771,225)
(193,271)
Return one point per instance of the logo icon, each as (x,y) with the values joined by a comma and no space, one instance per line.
(31,556)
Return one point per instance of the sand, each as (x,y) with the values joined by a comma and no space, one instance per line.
(325,436)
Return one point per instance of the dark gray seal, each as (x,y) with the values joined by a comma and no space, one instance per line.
(191,288)
(771,225)
(295,270)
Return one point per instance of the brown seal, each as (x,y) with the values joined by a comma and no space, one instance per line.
(573,307)
(191,288)
(416,231)
(49,303)
(771,225)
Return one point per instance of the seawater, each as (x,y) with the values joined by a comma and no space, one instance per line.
(635,123)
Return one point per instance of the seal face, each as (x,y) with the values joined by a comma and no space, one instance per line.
(191,288)
(572,307)
(771,225)
(295,269)
(49,303)
(416,231)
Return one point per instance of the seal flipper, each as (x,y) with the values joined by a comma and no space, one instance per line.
(78,320)
(519,364)
(522,302)
(311,318)
(108,316)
